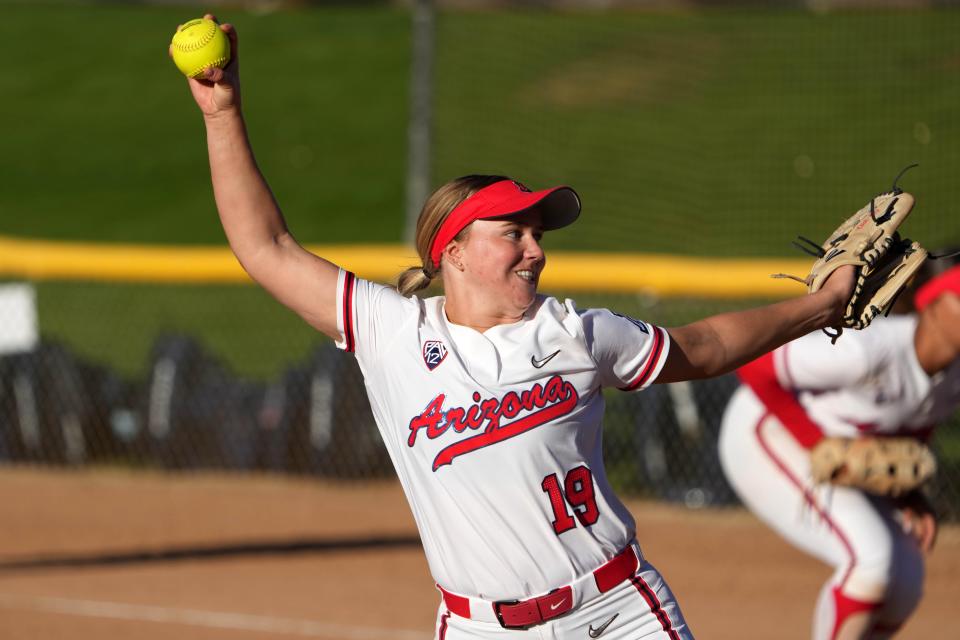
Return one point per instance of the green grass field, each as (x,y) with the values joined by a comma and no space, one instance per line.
(718,132)
(714,132)
(104,143)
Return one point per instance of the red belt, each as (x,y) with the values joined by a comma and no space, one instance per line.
(523,614)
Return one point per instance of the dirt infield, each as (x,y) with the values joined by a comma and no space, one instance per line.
(110,554)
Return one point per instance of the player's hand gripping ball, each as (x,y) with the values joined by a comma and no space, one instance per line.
(199,45)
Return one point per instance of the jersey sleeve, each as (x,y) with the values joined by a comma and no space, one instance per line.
(809,363)
(812,363)
(629,353)
(368,314)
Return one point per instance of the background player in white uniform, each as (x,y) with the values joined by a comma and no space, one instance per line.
(489,398)
(900,376)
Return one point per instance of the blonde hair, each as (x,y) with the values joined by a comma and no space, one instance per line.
(435,210)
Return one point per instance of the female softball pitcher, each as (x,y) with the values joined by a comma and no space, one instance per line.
(898,377)
(489,398)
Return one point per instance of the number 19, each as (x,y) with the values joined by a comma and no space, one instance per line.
(577,492)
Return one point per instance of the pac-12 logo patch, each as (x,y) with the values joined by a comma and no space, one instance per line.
(434,352)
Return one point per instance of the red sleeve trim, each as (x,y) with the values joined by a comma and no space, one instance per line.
(761,377)
(347,306)
(651,364)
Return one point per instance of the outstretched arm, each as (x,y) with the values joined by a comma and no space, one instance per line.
(721,343)
(250,216)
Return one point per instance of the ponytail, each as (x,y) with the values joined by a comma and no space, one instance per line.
(412,280)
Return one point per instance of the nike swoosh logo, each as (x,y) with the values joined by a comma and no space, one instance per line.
(554,607)
(539,363)
(596,633)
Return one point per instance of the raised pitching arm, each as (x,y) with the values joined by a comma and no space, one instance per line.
(250,216)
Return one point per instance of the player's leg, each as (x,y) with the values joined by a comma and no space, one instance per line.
(853,533)
(642,608)
(769,471)
(906,586)
(874,595)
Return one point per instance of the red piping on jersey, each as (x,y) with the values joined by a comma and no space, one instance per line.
(844,606)
(761,376)
(348,281)
(457,604)
(442,633)
(807,496)
(655,607)
(651,363)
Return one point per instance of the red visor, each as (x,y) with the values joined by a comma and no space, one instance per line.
(559,207)
(949,280)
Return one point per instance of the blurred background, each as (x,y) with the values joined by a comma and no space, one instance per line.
(711,130)
(696,132)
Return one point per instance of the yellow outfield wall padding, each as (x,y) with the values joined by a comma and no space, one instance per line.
(662,275)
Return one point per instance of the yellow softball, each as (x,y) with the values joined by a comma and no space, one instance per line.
(198,45)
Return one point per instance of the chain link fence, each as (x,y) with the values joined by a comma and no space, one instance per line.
(189,407)
(189,412)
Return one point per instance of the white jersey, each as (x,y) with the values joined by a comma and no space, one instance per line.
(496,436)
(869,382)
